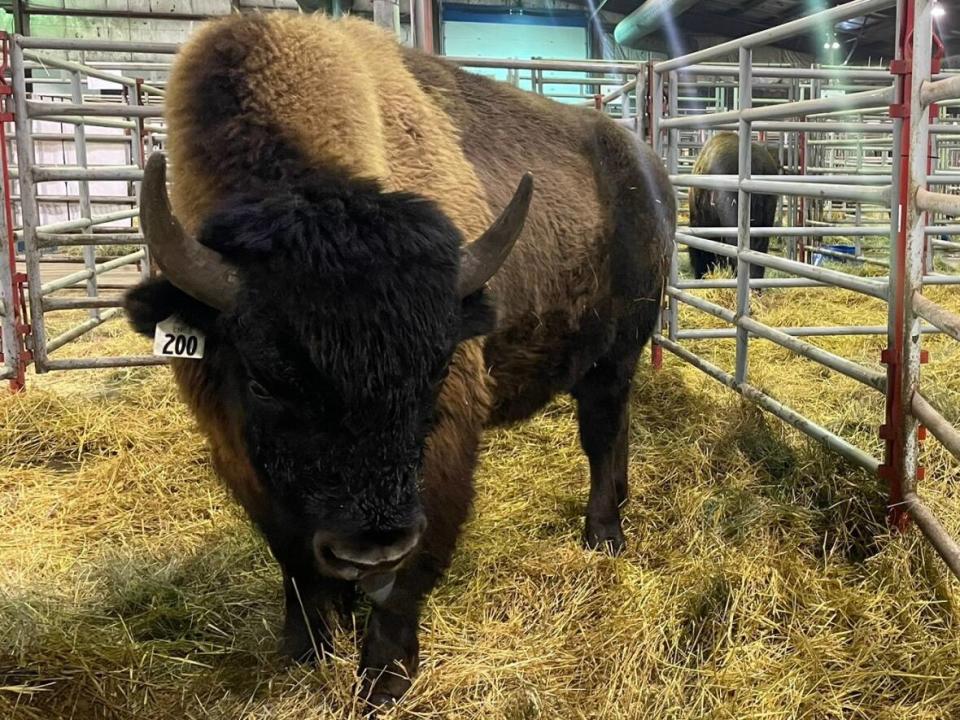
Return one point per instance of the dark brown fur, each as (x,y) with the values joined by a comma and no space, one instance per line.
(716,208)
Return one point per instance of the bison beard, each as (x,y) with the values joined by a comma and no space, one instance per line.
(345,386)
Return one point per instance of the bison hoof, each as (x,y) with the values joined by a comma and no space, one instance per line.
(606,537)
(300,648)
(385,691)
(376,703)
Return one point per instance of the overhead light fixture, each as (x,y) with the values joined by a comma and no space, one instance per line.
(835,45)
(826,45)
(938,11)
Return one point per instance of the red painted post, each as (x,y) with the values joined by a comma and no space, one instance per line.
(18,280)
(892,431)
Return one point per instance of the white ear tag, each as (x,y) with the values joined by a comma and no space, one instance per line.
(174,338)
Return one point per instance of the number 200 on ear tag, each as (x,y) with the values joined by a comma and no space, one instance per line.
(174,338)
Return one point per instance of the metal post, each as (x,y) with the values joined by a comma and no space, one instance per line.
(793,163)
(423,23)
(655,110)
(28,204)
(673,162)
(13,328)
(902,356)
(21,18)
(137,157)
(640,103)
(743,215)
(625,102)
(928,249)
(80,147)
(9,317)
(386,14)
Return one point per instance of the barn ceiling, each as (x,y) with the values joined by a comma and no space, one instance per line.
(861,38)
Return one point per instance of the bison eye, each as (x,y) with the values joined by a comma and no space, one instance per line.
(259,391)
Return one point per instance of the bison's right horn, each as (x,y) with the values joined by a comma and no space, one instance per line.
(483,257)
(197,270)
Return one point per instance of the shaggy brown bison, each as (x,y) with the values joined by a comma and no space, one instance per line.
(718,208)
(334,232)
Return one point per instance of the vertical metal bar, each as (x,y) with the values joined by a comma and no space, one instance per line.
(912,276)
(673,164)
(21,18)
(137,153)
(386,14)
(802,201)
(793,163)
(902,355)
(640,103)
(424,26)
(80,147)
(625,102)
(655,111)
(743,215)
(12,327)
(28,204)
(928,249)
(8,322)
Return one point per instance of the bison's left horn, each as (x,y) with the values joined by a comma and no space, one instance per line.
(482,258)
(194,268)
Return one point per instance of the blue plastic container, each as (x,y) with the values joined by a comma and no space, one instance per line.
(819,259)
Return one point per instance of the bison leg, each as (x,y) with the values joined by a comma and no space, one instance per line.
(391,649)
(602,411)
(702,262)
(310,601)
(760,244)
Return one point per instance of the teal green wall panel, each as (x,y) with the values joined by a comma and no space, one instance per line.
(491,39)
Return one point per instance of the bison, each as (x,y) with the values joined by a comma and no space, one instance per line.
(718,208)
(354,229)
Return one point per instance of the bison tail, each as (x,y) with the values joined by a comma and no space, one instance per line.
(641,209)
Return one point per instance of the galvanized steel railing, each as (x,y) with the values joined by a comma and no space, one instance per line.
(907,407)
(32,65)
(910,257)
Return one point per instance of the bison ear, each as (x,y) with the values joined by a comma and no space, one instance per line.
(478,316)
(157,299)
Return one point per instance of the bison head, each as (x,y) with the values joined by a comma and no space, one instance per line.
(332,310)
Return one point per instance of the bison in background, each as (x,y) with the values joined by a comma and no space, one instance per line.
(334,232)
(718,208)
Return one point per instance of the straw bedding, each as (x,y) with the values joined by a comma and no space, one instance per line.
(760,581)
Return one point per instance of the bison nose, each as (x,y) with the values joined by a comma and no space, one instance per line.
(352,557)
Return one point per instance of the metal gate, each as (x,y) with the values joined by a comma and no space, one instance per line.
(898,111)
(80,111)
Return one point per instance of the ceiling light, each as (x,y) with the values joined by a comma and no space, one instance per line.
(835,45)
(826,46)
(938,10)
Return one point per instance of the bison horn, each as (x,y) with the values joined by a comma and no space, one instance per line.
(197,270)
(482,258)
